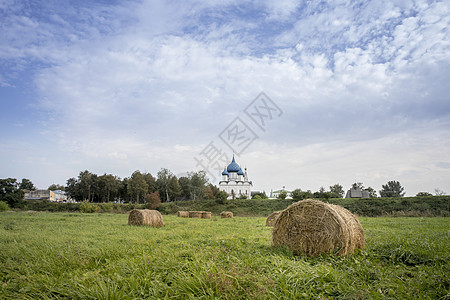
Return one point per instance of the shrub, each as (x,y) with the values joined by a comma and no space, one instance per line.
(107,207)
(87,207)
(153,200)
(221,197)
(3,206)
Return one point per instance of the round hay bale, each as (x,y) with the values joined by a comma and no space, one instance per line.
(226,214)
(145,217)
(313,227)
(206,215)
(356,231)
(272,218)
(183,214)
(195,214)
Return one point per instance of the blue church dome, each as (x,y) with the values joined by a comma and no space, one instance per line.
(233,166)
(225,172)
(240,172)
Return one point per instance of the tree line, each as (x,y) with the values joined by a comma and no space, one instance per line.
(143,188)
(390,189)
(140,187)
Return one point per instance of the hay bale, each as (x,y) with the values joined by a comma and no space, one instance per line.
(226,214)
(183,214)
(195,214)
(356,231)
(272,218)
(313,227)
(206,215)
(145,217)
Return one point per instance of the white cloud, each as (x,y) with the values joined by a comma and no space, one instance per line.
(281,10)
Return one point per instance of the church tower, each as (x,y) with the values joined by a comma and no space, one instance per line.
(235,181)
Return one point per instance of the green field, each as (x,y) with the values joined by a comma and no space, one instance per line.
(98,256)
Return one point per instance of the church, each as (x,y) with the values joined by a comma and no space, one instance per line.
(235,181)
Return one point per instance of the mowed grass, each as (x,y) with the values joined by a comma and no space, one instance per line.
(98,256)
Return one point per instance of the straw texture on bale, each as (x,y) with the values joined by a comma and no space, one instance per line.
(313,227)
(145,217)
(355,229)
(183,214)
(206,215)
(272,218)
(226,214)
(195,214)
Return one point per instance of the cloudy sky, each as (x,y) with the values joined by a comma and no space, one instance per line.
(352,91)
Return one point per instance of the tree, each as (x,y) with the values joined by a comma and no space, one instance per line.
(85,185)
(322,194)
(163,182)
(153,200)
(108,187)
(123,190)
(372,192)
(73,189)
(282,195)
(174,188)
(10,192)
(298,194)
(208,193)
(337,191)
(137,187)
(392,189)
(184,183)
(214,190)
(26,184)
(55,187)
(151,181)
(197,181)
(439,192)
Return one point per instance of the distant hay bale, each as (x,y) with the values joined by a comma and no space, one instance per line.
(145,217)
(313,227)
(206,215)
(183,214)
(272,218)
(195,214)
(226,214)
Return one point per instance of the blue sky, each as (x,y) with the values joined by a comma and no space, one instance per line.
(114,86)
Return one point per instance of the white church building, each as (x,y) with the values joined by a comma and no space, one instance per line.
(235,181)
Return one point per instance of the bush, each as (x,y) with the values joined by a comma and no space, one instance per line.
(87,207)
(153,200)
(221,197)
(3,206)
(107,207)
(168,208)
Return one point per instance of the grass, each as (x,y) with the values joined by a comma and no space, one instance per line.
(98,256)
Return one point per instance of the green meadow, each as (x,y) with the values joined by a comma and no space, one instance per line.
(98,256)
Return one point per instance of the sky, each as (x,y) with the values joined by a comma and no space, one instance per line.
(306,94)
